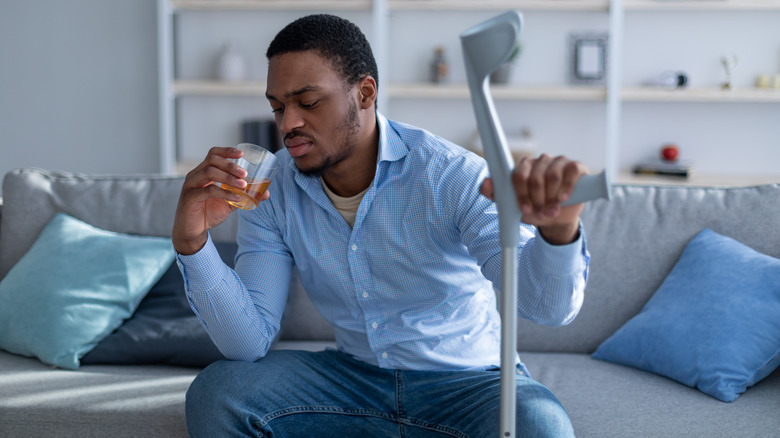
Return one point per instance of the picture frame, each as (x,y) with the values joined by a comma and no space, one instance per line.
(588,57)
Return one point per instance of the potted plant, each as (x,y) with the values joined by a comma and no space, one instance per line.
(504,71)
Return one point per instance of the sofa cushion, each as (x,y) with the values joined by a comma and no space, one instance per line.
(76,285)
(605,400)
(163,329)
(713,324)
(94,401)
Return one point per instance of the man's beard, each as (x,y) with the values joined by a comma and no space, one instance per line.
(350,128)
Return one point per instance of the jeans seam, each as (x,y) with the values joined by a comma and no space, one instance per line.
(399,406)
(432,426)
(323,410)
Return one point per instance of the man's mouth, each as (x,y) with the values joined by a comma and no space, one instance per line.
(298,146)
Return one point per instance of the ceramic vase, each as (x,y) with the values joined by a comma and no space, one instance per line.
(231,65)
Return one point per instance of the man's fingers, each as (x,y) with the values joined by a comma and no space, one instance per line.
(537,182)
(486,189)
(519,180)
(555,180)
(541,184)
(217,168)
(572,172)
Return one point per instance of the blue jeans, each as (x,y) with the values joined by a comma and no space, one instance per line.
(330,394)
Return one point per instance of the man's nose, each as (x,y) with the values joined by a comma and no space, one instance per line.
(290,120)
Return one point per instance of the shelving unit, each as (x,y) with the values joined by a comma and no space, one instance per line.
(611,97)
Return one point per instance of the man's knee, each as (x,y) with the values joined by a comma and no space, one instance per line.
(539,413)
(206,396)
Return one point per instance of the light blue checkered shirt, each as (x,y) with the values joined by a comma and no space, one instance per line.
(409,287)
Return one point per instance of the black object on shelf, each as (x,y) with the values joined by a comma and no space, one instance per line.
(663,168)
(262,133)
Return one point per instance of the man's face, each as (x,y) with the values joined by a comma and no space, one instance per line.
(314,110)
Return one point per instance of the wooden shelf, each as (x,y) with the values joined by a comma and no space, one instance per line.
(701,5)
(487,5)
(405,91)
(216,88)
(270,5)
(502,92)
(649,94)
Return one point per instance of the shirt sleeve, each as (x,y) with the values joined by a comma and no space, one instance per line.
(242,320)
(551,278)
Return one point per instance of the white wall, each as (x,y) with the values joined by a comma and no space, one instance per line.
(78,85)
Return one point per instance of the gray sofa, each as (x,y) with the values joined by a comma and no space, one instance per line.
(634,240)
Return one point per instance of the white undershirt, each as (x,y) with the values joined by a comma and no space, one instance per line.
(348,207)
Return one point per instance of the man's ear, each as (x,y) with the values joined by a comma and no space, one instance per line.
(367,90)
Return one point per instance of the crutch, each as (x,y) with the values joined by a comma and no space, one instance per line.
(486,46)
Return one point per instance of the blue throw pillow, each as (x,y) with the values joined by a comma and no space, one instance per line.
(75,285)
(163,329)
(714,324)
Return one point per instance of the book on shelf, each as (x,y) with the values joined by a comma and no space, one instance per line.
(679,169)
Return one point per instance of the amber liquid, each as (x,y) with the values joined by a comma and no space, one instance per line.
(250,195)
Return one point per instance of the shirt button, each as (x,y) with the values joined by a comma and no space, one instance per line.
(354,247)
(374,325)
(384,355)
(365,294)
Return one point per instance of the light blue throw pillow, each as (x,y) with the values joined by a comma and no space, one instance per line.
(714,324)
(75,285)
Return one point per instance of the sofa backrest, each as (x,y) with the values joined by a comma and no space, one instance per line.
(636,239)
(127,204)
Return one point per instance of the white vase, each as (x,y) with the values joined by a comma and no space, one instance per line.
(231,65)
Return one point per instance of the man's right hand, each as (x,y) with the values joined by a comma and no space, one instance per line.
(202,204)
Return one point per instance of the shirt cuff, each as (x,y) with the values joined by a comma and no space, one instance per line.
(203,270)
(563,259)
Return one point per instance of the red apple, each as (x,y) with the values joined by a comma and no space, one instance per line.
(670,152)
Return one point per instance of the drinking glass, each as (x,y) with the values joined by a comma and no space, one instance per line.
(260,165)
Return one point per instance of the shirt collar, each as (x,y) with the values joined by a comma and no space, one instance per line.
(391,147)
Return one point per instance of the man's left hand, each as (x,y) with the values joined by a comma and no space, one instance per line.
(542,184)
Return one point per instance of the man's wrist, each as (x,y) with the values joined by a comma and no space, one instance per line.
(189,247)
(560,234)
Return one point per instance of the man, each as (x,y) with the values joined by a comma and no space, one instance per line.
(396,242)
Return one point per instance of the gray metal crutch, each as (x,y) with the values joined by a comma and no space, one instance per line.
(486,46)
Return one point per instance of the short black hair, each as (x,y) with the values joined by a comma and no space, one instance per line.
(335,39)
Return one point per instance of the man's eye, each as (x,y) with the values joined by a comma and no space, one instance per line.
(309,105)
(277,110)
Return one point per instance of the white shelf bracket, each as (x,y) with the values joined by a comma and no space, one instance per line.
(614,85)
